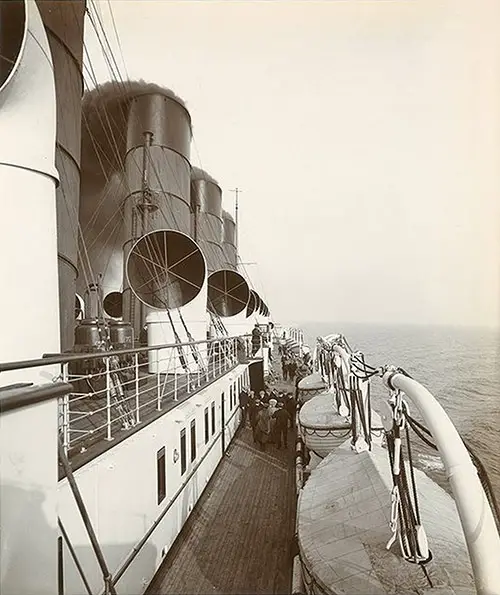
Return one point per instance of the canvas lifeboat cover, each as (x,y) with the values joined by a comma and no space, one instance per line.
(312,382)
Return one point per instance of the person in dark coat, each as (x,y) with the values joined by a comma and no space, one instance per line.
(292,369)
(254,407)
(291,407)
(256,339)
(264,396)
(263,427)
(283,366)
(243,398)
(281,417)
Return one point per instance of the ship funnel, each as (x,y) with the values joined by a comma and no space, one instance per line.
(228,293)
(165,269)
(64,24)
(208,226)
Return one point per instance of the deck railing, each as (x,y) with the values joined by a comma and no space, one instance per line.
(114,391)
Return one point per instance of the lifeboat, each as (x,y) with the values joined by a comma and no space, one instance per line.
(310,386)
(322,428)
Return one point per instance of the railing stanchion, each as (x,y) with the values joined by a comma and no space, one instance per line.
(108,402)
(65,412)
(200,361)
(158,384)
(175,382)
(209,355)
(214,358)
(137,400)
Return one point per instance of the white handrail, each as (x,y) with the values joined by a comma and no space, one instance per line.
(477,519)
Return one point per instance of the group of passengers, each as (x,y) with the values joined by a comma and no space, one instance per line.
(270,414)
(293,367)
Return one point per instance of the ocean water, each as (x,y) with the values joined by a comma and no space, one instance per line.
(459,366)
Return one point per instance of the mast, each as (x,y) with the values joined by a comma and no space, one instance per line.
(236,192)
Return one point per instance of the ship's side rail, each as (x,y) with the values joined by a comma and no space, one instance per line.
(116,391)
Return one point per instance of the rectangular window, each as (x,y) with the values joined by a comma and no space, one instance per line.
(213,417)
(183,452)
(193,440)
(207,426)
(161,472)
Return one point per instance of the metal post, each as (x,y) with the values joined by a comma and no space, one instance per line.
(108,580)
(209,355)
(158,389)
(175,383)
(74,556)
(65,412)
(137,401)
(108,402)
(214,358)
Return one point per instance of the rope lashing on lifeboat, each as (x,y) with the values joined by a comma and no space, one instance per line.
(357,408)
(406,524)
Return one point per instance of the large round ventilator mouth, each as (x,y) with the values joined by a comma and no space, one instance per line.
(13,33)
(165,269)
(228,293)
(113,304)
(252,303)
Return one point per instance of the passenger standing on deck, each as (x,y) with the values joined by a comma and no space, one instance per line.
(281,418)
(292,368)
(263,396)
(243,398)
(273,405)
(291,407)
(263,429)
(256,339)
(253,413)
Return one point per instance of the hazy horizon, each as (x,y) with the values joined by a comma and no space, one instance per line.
(420,325)
(365,137)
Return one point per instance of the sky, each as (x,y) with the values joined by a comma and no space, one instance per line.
(365,137)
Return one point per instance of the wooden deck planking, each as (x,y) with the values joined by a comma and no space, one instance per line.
(240,536)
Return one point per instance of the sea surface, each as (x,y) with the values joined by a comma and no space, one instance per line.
(459,366)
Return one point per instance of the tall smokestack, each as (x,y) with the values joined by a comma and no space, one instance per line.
(158,175)
(208,226)
(63,23)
